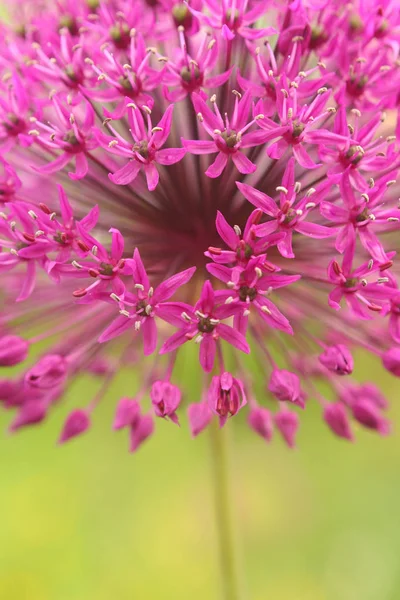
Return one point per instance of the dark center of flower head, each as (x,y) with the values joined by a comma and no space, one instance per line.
(232,18)
(298,129)
(106,269)
(318,36)
(141,306)
(125,83)
(119,33)
(182,15)
(204,325)
(290,216)
(354,154)
(355,85)
(230,138)
(245,292)
(70,138)
(69,22)
(14,124)
(244,251)
(351,282)
(362,216)
(143,149)
(93,4)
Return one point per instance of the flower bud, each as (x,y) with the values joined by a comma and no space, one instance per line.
(336,417)
(199,415)
(287,422)
(50,371)
(165,398)
(226,396)
(30,413)
(337,359)
(140,431)
(391,361)
(76,423)
(286,387)
(260,420)
(368,414)
(127,413)
(13,350)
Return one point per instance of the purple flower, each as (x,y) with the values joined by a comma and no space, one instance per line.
(76,423)
(337,359)
(165,398)
(336,417)
(226,396)
(169,175)
(147,149)
(261,421)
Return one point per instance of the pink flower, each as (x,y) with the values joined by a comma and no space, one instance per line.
(49,372)
(127,413)
(140,307)
(287,423)
(140,431)
(165,398)
(368,414)
(169,174)
(76,423)
(229,136)
(13,350)
(285,386)
(147,149)
(261,421)
(204,324)
(291,214)
(391,360)
(226,396)
(200,416)
(336,417)
(337,359)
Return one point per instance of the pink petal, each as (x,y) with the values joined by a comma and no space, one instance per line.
(226,232)
(172,343)
(126,174)
(81,169)
(149,331)
(167,288)
(152,176)
(170,156)
(315,231)
(243,164)
(160,137)
(303,158)
(119,326)
(57,164)
(199,146)
(208,349)
(219,164)
(29,281)
(233,337)
(117,244)
(66,208)
(258,199)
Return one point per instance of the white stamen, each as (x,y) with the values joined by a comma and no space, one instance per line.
(115,297)
(238,231)
(139,286)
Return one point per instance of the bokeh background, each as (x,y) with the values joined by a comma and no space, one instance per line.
(89,521)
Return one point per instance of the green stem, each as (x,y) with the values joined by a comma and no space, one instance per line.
(223,499)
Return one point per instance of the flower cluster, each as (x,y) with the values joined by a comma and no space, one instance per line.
(211,173)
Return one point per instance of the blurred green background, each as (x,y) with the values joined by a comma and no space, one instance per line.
(89,521)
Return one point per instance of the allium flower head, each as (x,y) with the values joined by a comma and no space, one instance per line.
(219,174)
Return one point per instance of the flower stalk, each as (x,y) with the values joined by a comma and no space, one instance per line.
(223,507)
